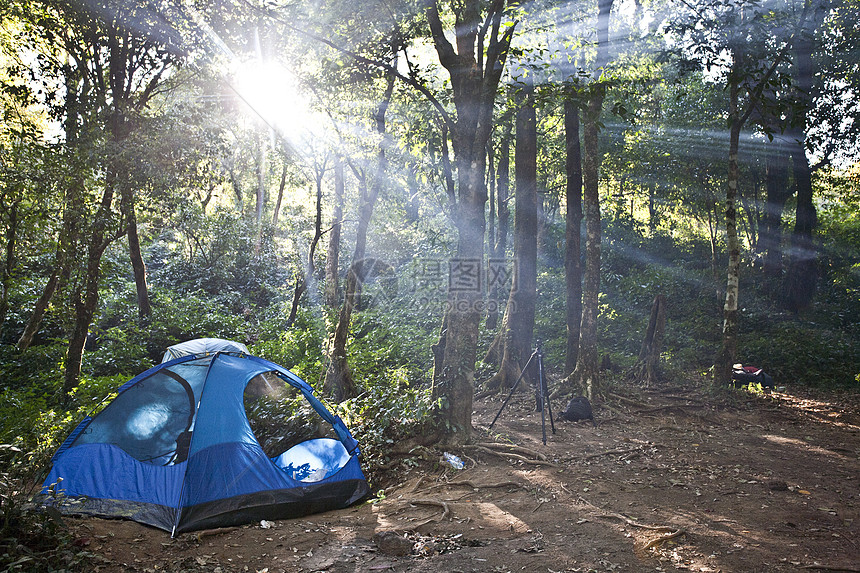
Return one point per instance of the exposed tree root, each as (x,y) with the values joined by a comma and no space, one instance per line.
(628,521)
(212,532)
(512,456)
(446,509)
(655,542)
(626,400)
(513,448)
(475,485)
(611,452)
(671,532)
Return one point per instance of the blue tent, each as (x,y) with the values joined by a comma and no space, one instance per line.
(175,449)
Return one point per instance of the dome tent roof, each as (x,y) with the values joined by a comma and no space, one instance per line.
(203,346)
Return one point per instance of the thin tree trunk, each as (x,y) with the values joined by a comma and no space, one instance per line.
(303,282)
(572,235)
(137,263)
(519,326)
(338,380)
(281,188)
(333,257)
(492,287)
(39,309)
(503,187)
(728,348)
(647,368)
(9,260)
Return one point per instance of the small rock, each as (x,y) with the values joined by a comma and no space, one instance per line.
(777,485)
(392,543)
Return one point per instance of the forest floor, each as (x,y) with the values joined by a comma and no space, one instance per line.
(671,479)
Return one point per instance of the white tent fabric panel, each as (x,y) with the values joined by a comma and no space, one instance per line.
(203,346)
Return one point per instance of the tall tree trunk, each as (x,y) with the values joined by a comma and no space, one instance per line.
(572,235)
(778,192)
(802,277)
(338,379)
(728,347)
(86,296)
(585,375)
(503,186)
(518,329)
(332,262)
(475,68)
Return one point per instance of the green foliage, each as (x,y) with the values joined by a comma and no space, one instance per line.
(33,542)
(32,428)
(794,352)
(386,349)
(36,369)
(384,416)
(299,348)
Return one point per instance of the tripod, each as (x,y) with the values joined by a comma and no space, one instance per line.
(541,394)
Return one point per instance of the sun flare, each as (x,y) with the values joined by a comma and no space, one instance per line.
(273,94)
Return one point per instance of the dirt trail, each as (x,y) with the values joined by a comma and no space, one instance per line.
(670,480)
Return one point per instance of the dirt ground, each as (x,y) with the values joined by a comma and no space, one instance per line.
(671,479)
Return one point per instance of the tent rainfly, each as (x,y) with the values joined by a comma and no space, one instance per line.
(175,449)
(203,346)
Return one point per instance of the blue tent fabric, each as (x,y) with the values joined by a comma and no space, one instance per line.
(174,449)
